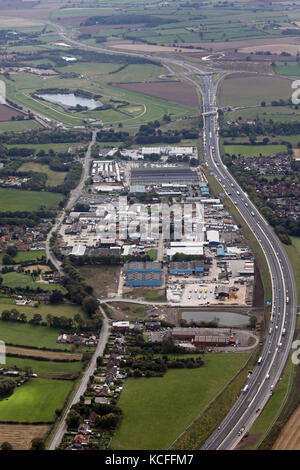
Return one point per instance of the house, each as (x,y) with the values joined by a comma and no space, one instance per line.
(81,439)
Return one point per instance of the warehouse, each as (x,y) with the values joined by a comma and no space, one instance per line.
(144,279)
(161,175)
(187,248)
(196,267)
(213,341)
(143,267)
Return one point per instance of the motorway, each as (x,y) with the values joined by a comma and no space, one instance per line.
(276,350)
(279,339)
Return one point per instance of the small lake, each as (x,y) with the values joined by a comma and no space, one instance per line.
(225,318)
(69,100)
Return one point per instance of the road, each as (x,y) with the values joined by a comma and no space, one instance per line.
(74,195)
(62,427)
(282,325)
(278,343)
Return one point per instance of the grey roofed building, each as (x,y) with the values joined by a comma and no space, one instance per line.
(142,266)
(78,250)
(161,175)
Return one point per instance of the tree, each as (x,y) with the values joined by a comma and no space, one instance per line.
(7,387)
(253,322)
(56,297)
(73,419)
(6,446)
(12,251)
(37,444)
(90,305)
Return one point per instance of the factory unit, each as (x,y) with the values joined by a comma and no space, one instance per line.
(144,279)
(107,171)
(187,248)
(163,175)
(198,268)
(213,341)
(143,267)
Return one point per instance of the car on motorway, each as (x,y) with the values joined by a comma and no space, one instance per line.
(241,431)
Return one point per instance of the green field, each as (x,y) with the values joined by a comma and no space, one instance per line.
(45,369)
(36,401)
(291,69)
(252,90)
(26,255)
(14,280)
(157,410)
(24,334)
(151,108)
(59,310)
(276,113)
(293,252)
(18,126)
(12,200)
(63,147)
(54,178)
(254,150)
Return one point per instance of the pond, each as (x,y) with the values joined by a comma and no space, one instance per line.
(69,100)
(225,318)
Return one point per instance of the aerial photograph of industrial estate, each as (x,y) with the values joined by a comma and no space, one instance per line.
(149,228)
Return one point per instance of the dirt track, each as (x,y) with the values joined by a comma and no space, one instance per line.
(289,438)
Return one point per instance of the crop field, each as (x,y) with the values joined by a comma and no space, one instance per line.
(6,113)
(17,200)
(169,404)
(15,280)
(24,334)
(254,150)
(35,401)
(250,90)
(177,92)
(54,178)
(45,369)
(36,353)
(21,435)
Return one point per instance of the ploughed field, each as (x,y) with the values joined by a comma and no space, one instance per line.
(178,92)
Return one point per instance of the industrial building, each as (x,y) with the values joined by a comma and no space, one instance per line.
(143,267)
(187,248)
(160,175)
(196,267)
(144,279)
(213,341)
